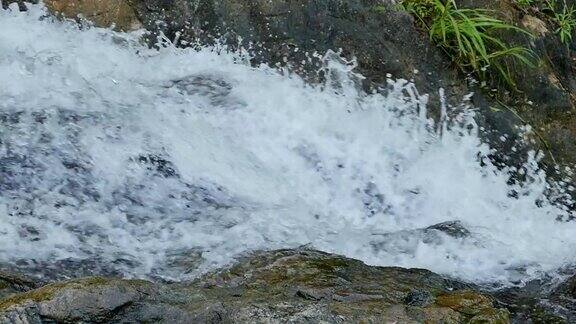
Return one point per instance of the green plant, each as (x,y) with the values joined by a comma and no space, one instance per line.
(379,9)
(421,9)
(566,20)
(525,3)
(469,37)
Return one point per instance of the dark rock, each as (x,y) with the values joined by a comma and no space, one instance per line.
(158,164)
(21,4)
(407,241)
(541,301)
(571,287)
(452,228)
(383,39)
(419,298)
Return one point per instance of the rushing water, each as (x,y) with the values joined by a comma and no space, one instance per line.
(128,157)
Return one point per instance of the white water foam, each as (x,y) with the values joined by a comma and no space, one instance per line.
(111,151)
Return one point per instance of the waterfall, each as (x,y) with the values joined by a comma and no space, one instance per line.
(135,160)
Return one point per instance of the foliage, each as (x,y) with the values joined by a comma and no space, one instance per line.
(381,9)
(421,9)
(565,19)
(525,3)
(469,36)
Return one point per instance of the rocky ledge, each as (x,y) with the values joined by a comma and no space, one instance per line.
(297,286)
(302,286)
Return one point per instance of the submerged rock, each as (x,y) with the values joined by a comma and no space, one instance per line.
(408,241)
(280,286)
(453,228)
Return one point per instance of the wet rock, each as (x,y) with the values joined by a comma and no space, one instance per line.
(466,302)
(490,315)
(69,268)
(419,298)
(21,4)
(407,241)
(452,228)
(571,287)
(546,300)
(335,289)
(159,164)
(87,300)
(13,283)
(280,286)
(104,13)
(296,33)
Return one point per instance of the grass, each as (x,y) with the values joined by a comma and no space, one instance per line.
(469,37)
(565,20)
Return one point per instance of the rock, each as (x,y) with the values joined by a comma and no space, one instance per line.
(490,315)
(104,13)
(85,300)
(453,228)
(419,298)
(13,283)
(571,287)
(466,302)
(408,241)
(535,25)
(280,286)
(546,300)
(21,4)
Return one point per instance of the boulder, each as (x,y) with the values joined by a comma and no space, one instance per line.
(280,286)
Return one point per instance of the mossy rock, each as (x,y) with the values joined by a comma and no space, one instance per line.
(491,315)
(346,288)
(279,286)
(466,302)
(83,300)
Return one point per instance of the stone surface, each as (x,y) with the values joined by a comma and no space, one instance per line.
(302,286)
(104,13)
(12,283)
(548,300)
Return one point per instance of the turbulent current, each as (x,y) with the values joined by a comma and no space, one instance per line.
(138,161)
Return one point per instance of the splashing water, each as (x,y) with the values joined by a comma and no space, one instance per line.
(127,156)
